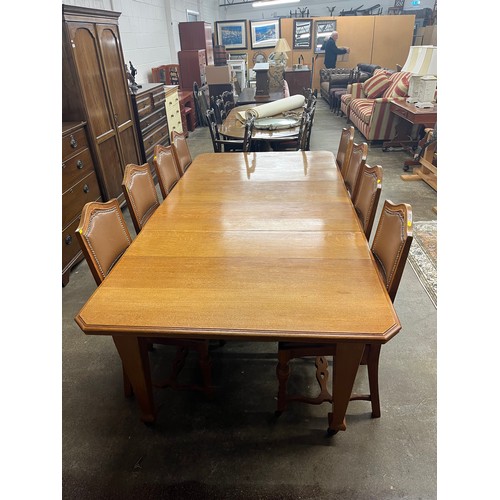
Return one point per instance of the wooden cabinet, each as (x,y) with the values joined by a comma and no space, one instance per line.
(150,115)
(192,66)
(298,80)
(172,107)
(95,90)
(79,186)
(197,35)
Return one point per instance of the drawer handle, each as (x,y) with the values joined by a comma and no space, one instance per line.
(73,142)
(79,164)
(68,240)
(86,188)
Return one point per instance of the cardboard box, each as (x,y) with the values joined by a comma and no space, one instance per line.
(218,74)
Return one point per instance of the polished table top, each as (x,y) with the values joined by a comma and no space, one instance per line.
(258,247)
(235,129)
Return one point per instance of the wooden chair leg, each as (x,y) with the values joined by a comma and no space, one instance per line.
(177,366)
(372,365)
(127,386)
(282,372)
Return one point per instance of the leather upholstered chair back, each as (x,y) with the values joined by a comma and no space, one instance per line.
(166,168)
(181,152)
(367,196)
(345,146)
(392,242)
(140,192)
(354,167)
(103,236)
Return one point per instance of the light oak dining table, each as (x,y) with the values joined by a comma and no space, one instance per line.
(258,247)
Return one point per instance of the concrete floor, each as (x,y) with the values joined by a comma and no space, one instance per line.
(232,447)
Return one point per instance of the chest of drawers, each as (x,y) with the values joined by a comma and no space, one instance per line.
(172,106)
(150,116)
(79,186)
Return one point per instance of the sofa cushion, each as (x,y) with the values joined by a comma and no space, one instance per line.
(363,109)
(375,86)
(400,82)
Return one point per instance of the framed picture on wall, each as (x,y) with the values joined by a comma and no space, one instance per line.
(302,33)
(264,34)
(321,30)
(232,34)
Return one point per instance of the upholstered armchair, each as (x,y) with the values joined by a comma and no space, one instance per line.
(368,104)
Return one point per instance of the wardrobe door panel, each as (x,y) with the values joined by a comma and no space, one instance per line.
(113,173)
(115,74)
(85,50)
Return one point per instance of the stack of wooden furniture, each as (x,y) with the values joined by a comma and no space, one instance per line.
(96,113)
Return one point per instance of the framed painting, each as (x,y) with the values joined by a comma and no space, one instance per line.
(321,30)
(302,33)
(264,34)
(232,34)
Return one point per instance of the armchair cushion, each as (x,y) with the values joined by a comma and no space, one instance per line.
(376,85)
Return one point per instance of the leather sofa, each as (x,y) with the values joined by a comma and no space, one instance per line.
(370,113)
(332,79)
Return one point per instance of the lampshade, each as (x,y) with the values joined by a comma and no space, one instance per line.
(422,60)
(282,46)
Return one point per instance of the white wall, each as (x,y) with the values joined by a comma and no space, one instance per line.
(149,28)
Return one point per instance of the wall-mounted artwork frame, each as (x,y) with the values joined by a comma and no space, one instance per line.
(321,30)
(264,34)
(302,33)
(232,34)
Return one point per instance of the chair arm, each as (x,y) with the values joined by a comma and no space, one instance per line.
(381,108)
(357,91)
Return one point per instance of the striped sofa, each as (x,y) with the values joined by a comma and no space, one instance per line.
(368,104)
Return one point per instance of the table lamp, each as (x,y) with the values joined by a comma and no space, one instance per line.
(281,49)
(422,62)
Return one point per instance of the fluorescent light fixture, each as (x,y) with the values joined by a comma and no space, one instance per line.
(270,3)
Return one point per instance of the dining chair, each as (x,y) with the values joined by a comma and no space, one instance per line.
(166,168)
(306,134)
(354,167)
(181,151)
(345,146)
(103,237)
(219,103)
(389,250)
(296,143)
(367,196)
(140,193)
(227,145)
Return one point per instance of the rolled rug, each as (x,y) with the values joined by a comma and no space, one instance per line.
(273,108)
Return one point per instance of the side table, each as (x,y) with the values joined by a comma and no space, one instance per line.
(411,115)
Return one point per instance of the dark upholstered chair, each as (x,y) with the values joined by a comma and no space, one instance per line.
(166,168)
(227,145)
(390,249)
(181,151)
(354,167)
(140,193)
(345,147)
(103,237)
(367,196)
